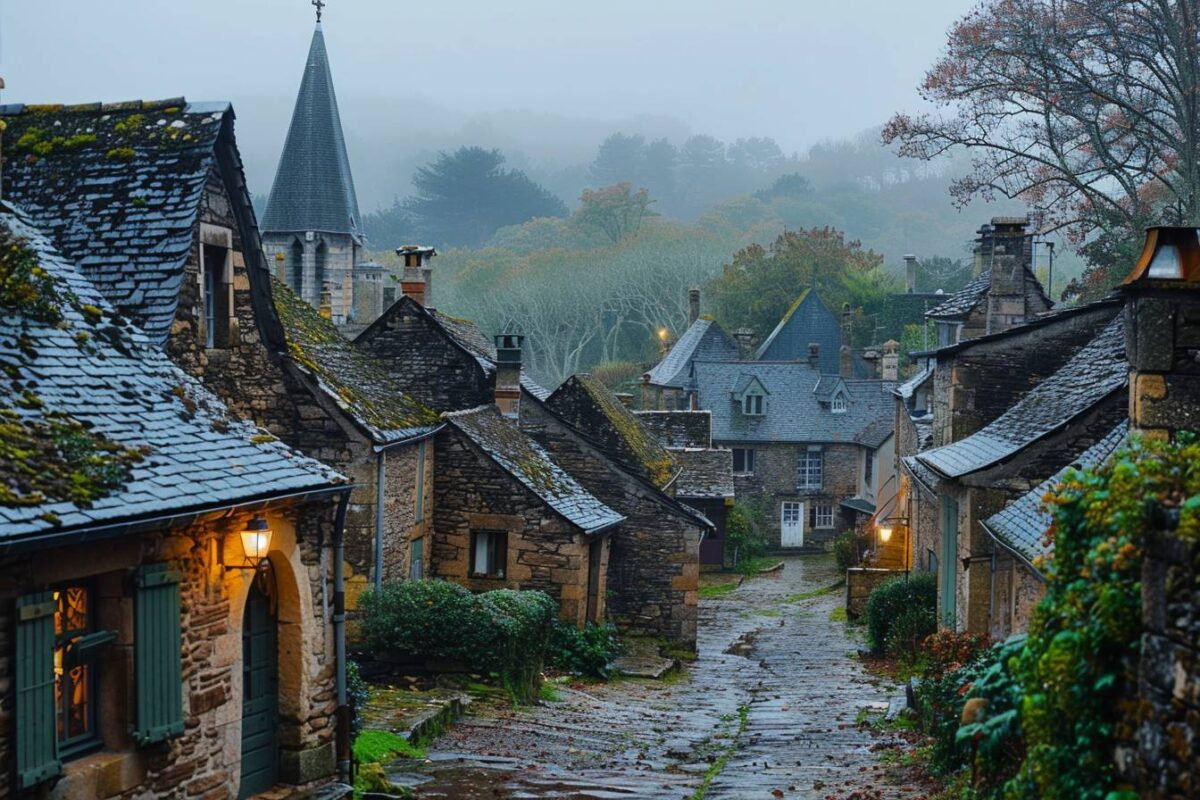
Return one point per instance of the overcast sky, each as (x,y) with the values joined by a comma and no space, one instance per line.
(797,70)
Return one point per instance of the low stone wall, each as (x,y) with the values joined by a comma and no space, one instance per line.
(860,582)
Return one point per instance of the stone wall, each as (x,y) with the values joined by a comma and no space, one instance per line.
(204,761)
(775,476)
(434,370)
(333,254)
(1018,589)
(401,526)
(860,582)
(678,429)
(472,493)
(655,568)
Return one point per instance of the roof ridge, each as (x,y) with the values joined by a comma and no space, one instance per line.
(466,412)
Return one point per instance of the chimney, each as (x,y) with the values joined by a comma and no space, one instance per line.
(910,273)
(646,392)
(693,305)
(1007,250)
(814,355)
(416,280)
(889,368)
(1162,333)
(746,340)
(845,354)
(508,374)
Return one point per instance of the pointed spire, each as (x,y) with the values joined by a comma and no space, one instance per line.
(313,189)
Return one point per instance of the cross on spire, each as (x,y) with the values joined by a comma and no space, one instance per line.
(318,4)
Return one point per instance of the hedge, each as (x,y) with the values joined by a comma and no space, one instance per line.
(910,598)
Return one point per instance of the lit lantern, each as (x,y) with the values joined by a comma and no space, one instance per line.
(885,534)
(256,543)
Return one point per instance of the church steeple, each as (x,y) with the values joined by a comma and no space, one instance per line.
(313,189)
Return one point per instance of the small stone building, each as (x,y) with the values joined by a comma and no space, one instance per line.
(510,517)
(149,653)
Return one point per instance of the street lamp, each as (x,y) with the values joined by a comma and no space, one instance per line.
(256,543)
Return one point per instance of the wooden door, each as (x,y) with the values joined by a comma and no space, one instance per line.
(260,694)
(947,583)
(791,524)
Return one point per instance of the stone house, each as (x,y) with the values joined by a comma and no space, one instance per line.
(168,570)
(807,442)
(202,290)
(510,517)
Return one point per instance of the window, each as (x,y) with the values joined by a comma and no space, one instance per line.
(869,468)
(416,561)
(216,293)
(743,461)
(74,677)
(489,554)
(811,467)
(838,404)
(822,515)
(790,513)
(419,511)
(752,405)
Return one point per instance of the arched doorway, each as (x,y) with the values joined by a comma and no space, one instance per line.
(260,685)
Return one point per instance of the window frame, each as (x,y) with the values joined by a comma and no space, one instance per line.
(748,460)
(753,404)
(496,553)
(416,559)
(216,286)
(837,403)
(824,516)
(79,745)
(806,470)
(869,469)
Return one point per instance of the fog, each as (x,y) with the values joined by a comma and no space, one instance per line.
(544,80)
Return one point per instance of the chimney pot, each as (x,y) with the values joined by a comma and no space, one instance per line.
(507,392)
(745,339)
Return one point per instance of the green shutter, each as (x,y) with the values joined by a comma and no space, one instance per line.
(158,654)
(37,740)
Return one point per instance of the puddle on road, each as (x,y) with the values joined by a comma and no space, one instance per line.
(743,645)
(469,779)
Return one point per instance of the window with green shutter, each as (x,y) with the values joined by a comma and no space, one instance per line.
(37,751)
(158,654)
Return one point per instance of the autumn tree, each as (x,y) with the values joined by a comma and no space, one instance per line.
(1085,109)
(616,211)
(759,285)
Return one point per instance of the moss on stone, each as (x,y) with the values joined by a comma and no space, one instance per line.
(641,444)
(120,154)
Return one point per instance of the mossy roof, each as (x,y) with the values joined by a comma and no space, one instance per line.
(524,459)
(98,426)
(117,187)
(361,386)
(589,405)
(468,336)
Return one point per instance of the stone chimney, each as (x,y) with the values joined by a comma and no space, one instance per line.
(910,273)
(1007,250)
(746,340)
(1162,333)
(889,368)
(845,353)
(693,305)
(508,374)
(814,355)
(416,279)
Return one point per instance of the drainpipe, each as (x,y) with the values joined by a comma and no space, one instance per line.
(342,715)
(379,476)
(992,593)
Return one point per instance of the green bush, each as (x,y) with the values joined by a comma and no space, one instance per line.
(358,693)
(503,632)
(587,651)
(745,532)
(890,600)
(845,551)
(908,630)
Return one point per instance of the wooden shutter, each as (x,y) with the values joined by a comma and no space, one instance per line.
(158,654)
(37,740)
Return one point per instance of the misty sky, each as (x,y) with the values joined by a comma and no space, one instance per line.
(796,70)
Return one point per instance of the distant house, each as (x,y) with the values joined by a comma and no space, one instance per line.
(807,441)
(164,563)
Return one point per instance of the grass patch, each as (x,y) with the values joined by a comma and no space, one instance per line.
(838,615)
(717,590)
(796,598)
(679,653)
(715,768)
(548,693)
(753,566)
(375,746)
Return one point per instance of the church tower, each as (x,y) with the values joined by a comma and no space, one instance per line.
(311,230)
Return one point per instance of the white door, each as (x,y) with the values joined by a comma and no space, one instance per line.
(791,524)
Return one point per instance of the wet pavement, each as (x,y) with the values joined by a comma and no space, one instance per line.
(770,709)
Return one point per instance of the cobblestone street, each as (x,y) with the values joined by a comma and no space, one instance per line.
(769,709)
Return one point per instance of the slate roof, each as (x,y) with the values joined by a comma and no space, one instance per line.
(313,188)
(468,335)
(363,388)
(923,474)
(809,320)
(589,405)
(117,188)
(793,412)
(906,389)
(101,371)
(960,303)
(704,340)
(524,459)
(706,474)
(1022,524)
(1092,374)
(678,429)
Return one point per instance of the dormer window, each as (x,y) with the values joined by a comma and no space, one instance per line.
(838,404)
(752,405)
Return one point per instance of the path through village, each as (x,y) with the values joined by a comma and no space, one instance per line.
(770,709)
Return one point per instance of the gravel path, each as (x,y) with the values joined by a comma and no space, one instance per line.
(768,710)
